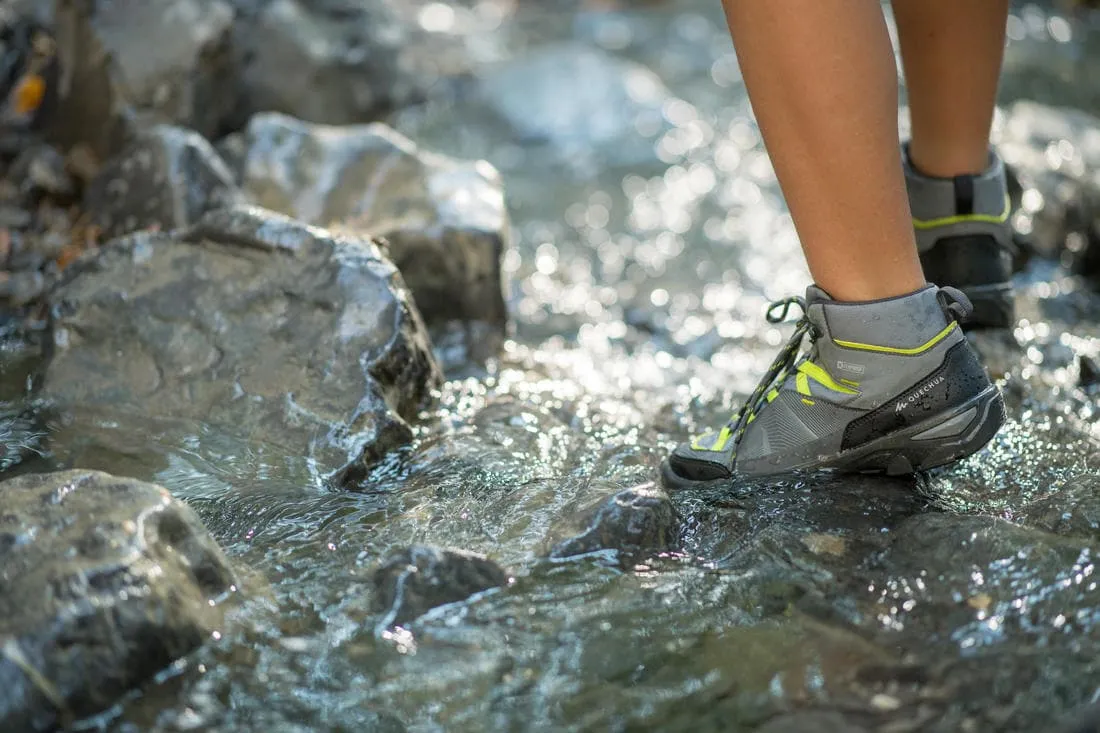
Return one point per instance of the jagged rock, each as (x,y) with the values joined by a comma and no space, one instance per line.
(444,219)
(1072,509)
(167,178)
(104,581)
(40,169)
(635,523)
(1055,154)
(170,59)
(252,322)
(339,62)
(581,101)
(414,580)
(1088,371)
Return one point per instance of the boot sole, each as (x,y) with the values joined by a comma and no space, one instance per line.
(935,442)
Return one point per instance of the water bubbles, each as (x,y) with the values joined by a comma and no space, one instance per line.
(1060,29)
(725,71)
(1031,200)
(614,33)
(1016,29)
(678,112)
(437,18)
(546,258)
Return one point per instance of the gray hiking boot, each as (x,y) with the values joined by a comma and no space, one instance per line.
(964,237)
(887,386)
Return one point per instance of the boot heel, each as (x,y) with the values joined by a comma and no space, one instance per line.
(958,435)
(994,306)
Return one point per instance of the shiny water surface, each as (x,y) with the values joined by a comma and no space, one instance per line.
(650,236)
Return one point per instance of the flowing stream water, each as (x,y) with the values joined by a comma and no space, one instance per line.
(642,266)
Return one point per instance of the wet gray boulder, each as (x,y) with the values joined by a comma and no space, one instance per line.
(170,60)
(341,62)
(280,333)
(412,581)
(167,178)
(581,102)
(444,219)
(1055,154)
(634,523)
(1072,509)
(974,564)
(933,543)
(104,581)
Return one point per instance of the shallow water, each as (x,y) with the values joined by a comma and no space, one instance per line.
(638,291)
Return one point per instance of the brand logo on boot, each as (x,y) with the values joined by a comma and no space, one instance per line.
(847,366)
(918,394)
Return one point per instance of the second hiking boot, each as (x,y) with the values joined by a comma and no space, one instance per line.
(887,386)
(964,237)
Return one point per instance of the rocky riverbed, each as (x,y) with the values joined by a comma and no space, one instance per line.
(341,341)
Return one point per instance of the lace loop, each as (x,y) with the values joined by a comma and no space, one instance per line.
(955,304)
(785,304)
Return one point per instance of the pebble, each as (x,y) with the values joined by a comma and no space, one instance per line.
(885,703)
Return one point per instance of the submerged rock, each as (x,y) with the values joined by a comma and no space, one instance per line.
(167,178)
(1084,720)
(948,569)
(168,58)
(934,542)
(104,581)
(281,333)
(1072,509)
(804,722)
(20,437)
(634,523)
(581,101)
(412,581)
(444,219)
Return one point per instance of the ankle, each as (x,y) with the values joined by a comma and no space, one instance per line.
(948,161)
(856,290)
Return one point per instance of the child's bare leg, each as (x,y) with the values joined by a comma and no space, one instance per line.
(821,79)
(952,52)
